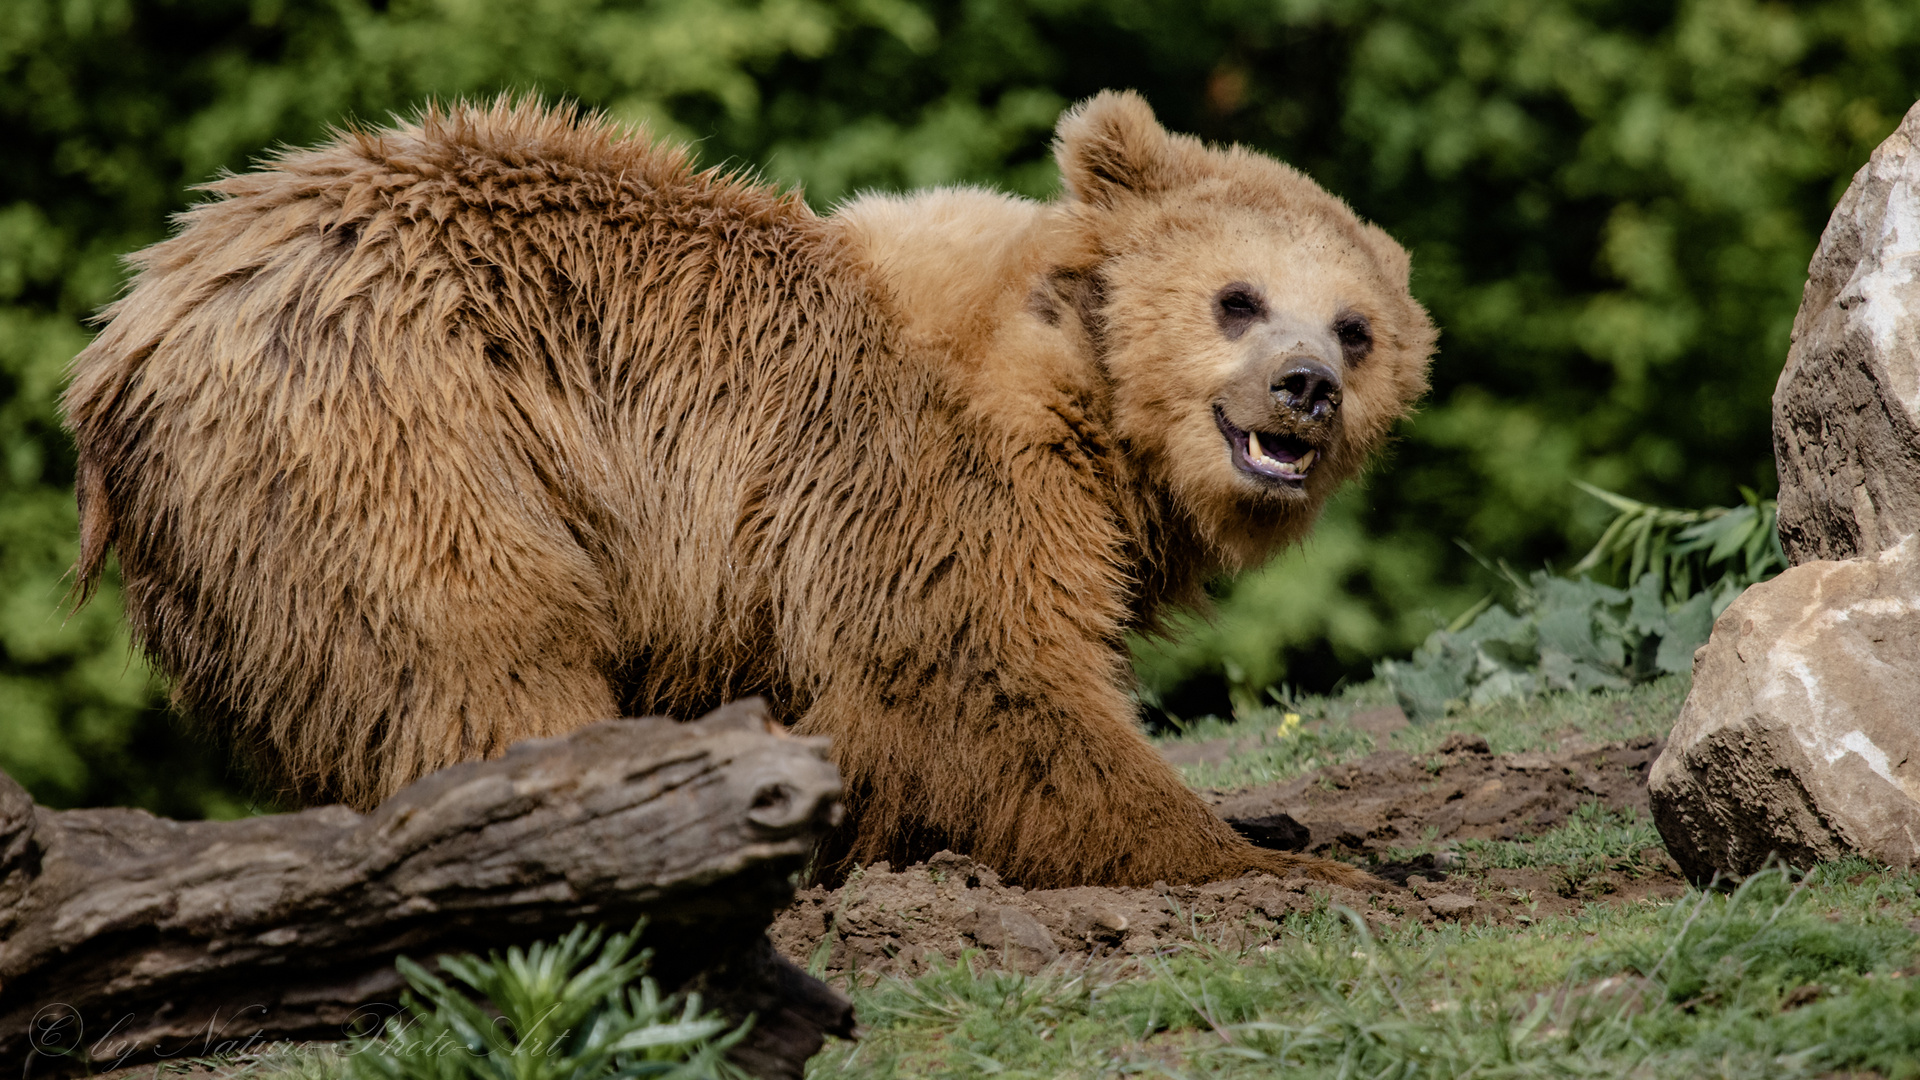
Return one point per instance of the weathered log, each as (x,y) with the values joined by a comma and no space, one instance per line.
(128,938)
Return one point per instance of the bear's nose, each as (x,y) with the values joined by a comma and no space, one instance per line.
(1308,387)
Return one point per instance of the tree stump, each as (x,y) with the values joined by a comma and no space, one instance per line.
(127,938)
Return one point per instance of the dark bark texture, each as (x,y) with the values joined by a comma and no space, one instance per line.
(129,938)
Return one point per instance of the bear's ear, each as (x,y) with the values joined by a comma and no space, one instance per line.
(1109,146)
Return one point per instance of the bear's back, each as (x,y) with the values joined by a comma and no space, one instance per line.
(448,420)
(546,233)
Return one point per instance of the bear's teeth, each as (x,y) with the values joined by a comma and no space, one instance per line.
(1297,467)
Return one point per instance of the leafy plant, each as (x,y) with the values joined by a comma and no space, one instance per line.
(1577,634)
(1568,635)
(575,1009)
(1718,550)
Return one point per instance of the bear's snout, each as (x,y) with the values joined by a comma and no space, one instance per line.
(1306,387)
(1278,419)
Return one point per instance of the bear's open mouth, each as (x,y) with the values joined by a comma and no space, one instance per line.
(1268,456)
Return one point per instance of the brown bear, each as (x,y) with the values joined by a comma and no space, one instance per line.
(491,425)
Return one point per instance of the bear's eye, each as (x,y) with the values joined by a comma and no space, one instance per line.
(1355,334)
(1237,307)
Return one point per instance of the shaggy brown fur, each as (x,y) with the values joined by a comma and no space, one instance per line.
(489,426)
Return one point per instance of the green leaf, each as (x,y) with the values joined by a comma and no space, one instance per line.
(568,1010)
(1689,626)
(1648,614)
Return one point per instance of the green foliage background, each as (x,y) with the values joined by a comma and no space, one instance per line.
(1611,204)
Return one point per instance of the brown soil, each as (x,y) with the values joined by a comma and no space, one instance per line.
(1371,812)
(1394,800)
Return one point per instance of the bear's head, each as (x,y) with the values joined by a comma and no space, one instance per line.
(1259,337)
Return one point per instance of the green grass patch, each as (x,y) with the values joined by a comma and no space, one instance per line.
(1786,975)
(1779,978)
(1274,750)
(1592,839)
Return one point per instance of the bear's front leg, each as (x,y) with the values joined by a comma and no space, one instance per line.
(1050,789)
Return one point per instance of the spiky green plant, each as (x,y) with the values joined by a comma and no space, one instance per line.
(576,1009)
(1719,550)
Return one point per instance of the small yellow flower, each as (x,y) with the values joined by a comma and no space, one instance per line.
(1288,725)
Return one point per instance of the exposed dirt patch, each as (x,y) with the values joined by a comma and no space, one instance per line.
(899,922)
(1394,800)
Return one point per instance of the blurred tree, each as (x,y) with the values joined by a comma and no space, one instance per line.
(1611,204)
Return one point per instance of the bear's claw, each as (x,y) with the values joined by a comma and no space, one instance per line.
(1331,871)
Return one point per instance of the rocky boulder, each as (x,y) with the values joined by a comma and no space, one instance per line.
(1801,736)
(1846,412)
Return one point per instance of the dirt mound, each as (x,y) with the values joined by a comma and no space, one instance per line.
(900,921)
(1395,800)
(897,922)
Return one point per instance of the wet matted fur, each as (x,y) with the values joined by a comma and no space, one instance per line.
(498,423)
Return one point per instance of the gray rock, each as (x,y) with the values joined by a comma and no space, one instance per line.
(1451,905)
(1098,922)
(1023,944)
(1846,412)
(1801,735)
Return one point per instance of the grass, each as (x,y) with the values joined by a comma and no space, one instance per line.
(1592,839)
(1782,977)
(1324,736)
(1787,975)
